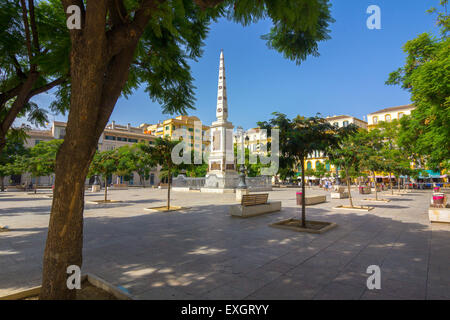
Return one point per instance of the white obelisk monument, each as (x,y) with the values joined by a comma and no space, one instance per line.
(220,164)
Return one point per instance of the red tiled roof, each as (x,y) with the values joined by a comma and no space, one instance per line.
(408,106)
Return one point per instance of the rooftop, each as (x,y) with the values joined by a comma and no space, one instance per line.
(408,106)
(343,117)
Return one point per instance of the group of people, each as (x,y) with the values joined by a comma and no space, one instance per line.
(327,185)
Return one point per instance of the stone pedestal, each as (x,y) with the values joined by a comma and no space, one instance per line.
(95,188)
(310,200)
(240,193)
(439,214)
(339,195)
(250,211)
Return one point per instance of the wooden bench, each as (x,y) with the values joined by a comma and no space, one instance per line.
(254,205)
(254,199)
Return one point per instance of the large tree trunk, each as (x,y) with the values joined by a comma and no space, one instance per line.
(2,179)
(95,90)
(303,194)
(65,234)
(99,70)
(35,185)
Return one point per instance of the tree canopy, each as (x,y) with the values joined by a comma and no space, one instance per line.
(426,74)
(34,58)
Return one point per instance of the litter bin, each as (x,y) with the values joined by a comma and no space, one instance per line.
(438,199)
(299,198)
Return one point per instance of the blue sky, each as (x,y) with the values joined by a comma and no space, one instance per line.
(347,78)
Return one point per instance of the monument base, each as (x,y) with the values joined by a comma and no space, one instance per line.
(216,190)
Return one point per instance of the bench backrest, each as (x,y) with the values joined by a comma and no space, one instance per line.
(254,199)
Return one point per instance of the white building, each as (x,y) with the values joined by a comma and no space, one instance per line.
(113,137)
(388,114)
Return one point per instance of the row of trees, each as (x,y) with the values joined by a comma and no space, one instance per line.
(140,157)
(367,152)
(355,151)
(38,161)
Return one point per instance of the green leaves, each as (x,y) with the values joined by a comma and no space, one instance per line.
(426,75)
(39,160)
(177,31)
(301,136)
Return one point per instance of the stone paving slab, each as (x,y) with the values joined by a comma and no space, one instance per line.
(203,253)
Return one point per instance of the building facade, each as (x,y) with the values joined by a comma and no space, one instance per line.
(257,140)
(114,136)
(196,131)
(388,114)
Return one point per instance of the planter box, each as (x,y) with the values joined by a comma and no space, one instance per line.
(355,208)
(339,195)
(439,214)
(376,200)
(365,190)
(93,280)
(340,189)
(181,189)
(250,211)
(439,199)
(310,200)
(311,226)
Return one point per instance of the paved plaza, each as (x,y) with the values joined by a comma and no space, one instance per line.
(203,253)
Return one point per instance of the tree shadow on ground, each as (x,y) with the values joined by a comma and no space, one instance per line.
(203,253)
(31,198)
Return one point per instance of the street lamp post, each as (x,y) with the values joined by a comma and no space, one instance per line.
(242,184)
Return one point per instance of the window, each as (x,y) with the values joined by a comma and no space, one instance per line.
(191,129)
(388,118)
(110,138)
(345,124)
(308,165)
(400,115)
(36,142)
(336,124)
(132,140)
(167,128)
(375,120)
